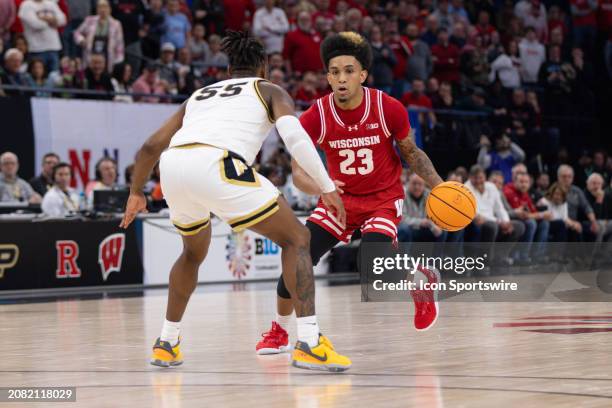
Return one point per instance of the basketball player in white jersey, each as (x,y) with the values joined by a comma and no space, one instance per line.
(208,147)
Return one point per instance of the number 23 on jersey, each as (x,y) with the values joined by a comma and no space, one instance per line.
(364,165)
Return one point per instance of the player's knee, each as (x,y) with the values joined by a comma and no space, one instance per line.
(299,238)
(194,256)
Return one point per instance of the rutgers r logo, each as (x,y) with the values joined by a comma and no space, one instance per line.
(351,128)
(9,255)
(67,254)
(110,254)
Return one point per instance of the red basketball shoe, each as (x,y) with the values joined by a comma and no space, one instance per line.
(425,300)
(274,341)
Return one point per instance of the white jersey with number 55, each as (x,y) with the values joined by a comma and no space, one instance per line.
(230,115)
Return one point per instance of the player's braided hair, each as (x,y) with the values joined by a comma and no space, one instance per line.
(347,43)
(245,53)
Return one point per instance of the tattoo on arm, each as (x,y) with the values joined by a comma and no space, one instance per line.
(419,162)
(305,287)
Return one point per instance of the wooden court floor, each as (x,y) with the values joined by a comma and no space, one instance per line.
(478,354)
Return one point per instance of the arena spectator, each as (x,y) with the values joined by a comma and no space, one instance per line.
(584,23)
(383,61)
(301,48)
(97,78)
(556,76)
(197,44)
(40,79)
(474,63)
(41,20)
(417,98)
(122,82)
(484,28)
(101,34)
(216,58)
(270,24)
(43,182)
(277,77)
(533,55)
(131,14)
(70,75)
(420,64)
(78,10)
(536,223)
(445,58)
(540,187)
(106,178)
(21,44)
(432,27)
(149,83)
(177,29)
(555,201)
(154,25)
(8,12)
(577,205)
(532,13)
(61,199)
(507,67)
(11,75)
(168,67)
(12,187)
(237,14)
(307,92)
(209,13)
(415,225)
(492,223)
(601,202)
(458,12)
(443,14)
(503,158)
(600,165)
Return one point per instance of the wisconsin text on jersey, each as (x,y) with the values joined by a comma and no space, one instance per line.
(356,142)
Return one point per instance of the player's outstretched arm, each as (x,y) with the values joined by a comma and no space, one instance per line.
(302,180)
(146,158)
(419,162)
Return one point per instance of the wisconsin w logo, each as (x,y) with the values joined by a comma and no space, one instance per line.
(110,254)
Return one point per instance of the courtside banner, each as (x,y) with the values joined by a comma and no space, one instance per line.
(57,254)
(82,132)
(487,272)
(231,256)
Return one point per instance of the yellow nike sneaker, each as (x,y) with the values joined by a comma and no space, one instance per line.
(164,355)
(322,357)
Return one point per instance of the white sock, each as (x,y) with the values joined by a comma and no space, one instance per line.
(170,332)
(308,330)
(283,321)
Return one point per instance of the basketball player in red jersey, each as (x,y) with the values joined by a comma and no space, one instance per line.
(357,128)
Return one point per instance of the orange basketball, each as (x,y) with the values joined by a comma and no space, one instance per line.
(451,206)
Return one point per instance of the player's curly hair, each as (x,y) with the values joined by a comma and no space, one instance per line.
(347,43)
(245,53)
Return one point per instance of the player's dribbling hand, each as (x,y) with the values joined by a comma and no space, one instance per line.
(334,203)
(137,203)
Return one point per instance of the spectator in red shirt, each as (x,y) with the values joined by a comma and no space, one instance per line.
(585,23)
(446,59)
(537,224)
(238,14)
(418,99)
(301,49)
(484,28)
(307,92)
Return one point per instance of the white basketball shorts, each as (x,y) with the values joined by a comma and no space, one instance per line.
(199,179)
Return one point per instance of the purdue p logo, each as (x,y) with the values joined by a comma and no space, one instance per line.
(9,255)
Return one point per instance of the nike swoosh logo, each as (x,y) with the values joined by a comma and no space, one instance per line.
(322,359)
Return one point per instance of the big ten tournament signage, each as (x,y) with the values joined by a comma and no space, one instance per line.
(231,256)
(82,132)
(59,254)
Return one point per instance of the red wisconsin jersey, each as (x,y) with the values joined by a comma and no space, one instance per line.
(358,143)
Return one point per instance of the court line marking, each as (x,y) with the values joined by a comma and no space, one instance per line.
(567,394)
(178,370)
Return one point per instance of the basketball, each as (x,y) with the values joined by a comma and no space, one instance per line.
(451,206)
